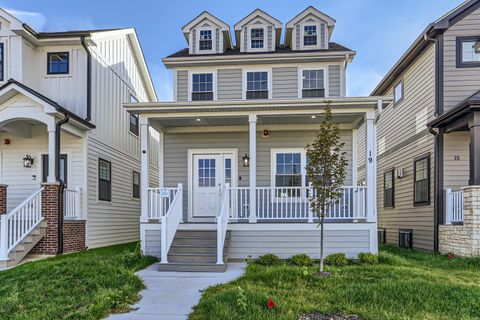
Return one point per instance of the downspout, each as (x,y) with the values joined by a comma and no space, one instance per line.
(62,184)
(89,79)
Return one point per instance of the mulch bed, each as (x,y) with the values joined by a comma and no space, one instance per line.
(320,316)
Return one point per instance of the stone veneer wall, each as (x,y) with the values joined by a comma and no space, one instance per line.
(464,240)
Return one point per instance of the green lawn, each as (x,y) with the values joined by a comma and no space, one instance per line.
(405,285)
(86,285)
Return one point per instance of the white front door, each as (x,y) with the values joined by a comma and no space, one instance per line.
(210,174)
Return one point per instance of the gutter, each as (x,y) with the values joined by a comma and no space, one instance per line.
(89,78)
(62,184)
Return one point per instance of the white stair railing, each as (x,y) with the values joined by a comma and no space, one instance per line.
(454,206)
(71,202)
(18,223)
(222,223)
(159,201)
(170,222)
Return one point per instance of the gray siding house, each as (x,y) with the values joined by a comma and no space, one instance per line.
(429,140)
(232,145)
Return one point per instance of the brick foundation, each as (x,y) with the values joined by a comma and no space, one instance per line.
(73,235)
(464,240)
(3,198)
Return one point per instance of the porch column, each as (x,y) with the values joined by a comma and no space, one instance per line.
(51,154)
(3,199)
(371,162)
(252,119)
(475,150)
(144,183)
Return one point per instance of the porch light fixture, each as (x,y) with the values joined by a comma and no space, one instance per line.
(198,119)
(28,161)
(314,117)
(246,160)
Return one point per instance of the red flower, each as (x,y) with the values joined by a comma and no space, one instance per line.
(271,304)
(450,256)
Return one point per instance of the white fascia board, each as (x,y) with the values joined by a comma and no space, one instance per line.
(205,16)
(313,11)
(258,13)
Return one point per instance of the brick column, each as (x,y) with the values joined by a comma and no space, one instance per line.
(73,235)
(3,199)
(50,209)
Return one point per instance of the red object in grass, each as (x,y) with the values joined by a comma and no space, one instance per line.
(271,304)
(450,256)
(6,141)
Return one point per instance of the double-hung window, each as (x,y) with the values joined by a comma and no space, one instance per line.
(313,83)
(388,189)
(134,127)
(289,173)
(310,35)
(2,62)
(104,180)
(398,92)
(421,180)
(468,51)
(256,38)
(202,86)
(205,41)
(57,63)
(257,85)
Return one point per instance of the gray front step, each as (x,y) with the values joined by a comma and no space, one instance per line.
(193,258)
(193,267)
(23,248)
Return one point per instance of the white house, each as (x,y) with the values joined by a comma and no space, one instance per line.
(61,96)
(232,159)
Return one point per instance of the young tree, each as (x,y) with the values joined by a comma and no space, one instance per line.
(326,170)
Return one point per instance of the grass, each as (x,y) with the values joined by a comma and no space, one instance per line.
(405,285)
(85,285)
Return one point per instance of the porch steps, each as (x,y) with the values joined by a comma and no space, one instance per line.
(23,248)
(195,251)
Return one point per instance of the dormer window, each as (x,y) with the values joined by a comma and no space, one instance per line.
(256,37)
(205,42)
(310,36)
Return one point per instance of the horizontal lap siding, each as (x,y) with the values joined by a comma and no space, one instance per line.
(285,83)
(229,84)
(334,81)
(153,243)
(456,172)
(459,83)
(182,85)
(402,136)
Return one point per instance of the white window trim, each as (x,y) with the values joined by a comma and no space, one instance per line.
(273,164)
(214,42)
(198,71)
(5,60)
(325,79)
(398,83)
(249,38)
(244,80)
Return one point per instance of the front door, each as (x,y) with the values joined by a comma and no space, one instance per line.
(210,174)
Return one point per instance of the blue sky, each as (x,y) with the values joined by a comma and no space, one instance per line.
(379,30)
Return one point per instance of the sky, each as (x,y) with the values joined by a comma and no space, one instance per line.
(378,30)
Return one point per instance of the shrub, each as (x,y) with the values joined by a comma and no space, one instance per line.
(268,260)
(337,259)
(367,258)
(301,260)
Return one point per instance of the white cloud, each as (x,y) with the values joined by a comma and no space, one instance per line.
(35,19)
(362,82)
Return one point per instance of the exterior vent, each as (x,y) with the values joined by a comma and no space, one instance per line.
(400,173)
(382,235)
(405,238)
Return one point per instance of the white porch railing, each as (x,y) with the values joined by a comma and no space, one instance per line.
(222,223)
(170,222)
(18,223)
(71,203)
(293,203)
(454,206)
(160,201)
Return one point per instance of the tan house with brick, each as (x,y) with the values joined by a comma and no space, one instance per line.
(428,139)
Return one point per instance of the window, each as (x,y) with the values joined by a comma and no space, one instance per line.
(468,52)
(256,38)
(405,238)
(205,42)
(310,36)
(202,86)
(58,62)
(398,93)
(2,62)
(104,180)
(313,84)
(257,85)
(421,187)
(136,185)
(289,173)
(134,128)
(388,189)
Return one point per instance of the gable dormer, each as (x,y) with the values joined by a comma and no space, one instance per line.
(206,34)
(309,30)
(258,32)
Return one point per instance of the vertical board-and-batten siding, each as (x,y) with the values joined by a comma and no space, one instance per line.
(459,83)
(229,84)
(182,85)
(334,81)
(285,83)
(404,137)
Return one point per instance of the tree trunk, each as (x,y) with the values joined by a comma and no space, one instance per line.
(321,237)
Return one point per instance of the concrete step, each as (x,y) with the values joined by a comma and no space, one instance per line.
(193,267)
(193,258)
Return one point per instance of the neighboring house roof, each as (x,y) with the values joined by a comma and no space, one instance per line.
(472,103)
(12,83)
(432,30)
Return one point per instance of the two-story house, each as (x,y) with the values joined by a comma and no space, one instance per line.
(429,139)
(69,152)
(232,144)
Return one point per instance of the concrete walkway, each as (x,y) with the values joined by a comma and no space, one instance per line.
(171,295)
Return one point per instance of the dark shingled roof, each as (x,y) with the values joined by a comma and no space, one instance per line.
(333,47)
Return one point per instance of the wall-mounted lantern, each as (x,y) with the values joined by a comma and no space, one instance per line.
(28,161)
(246,161)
